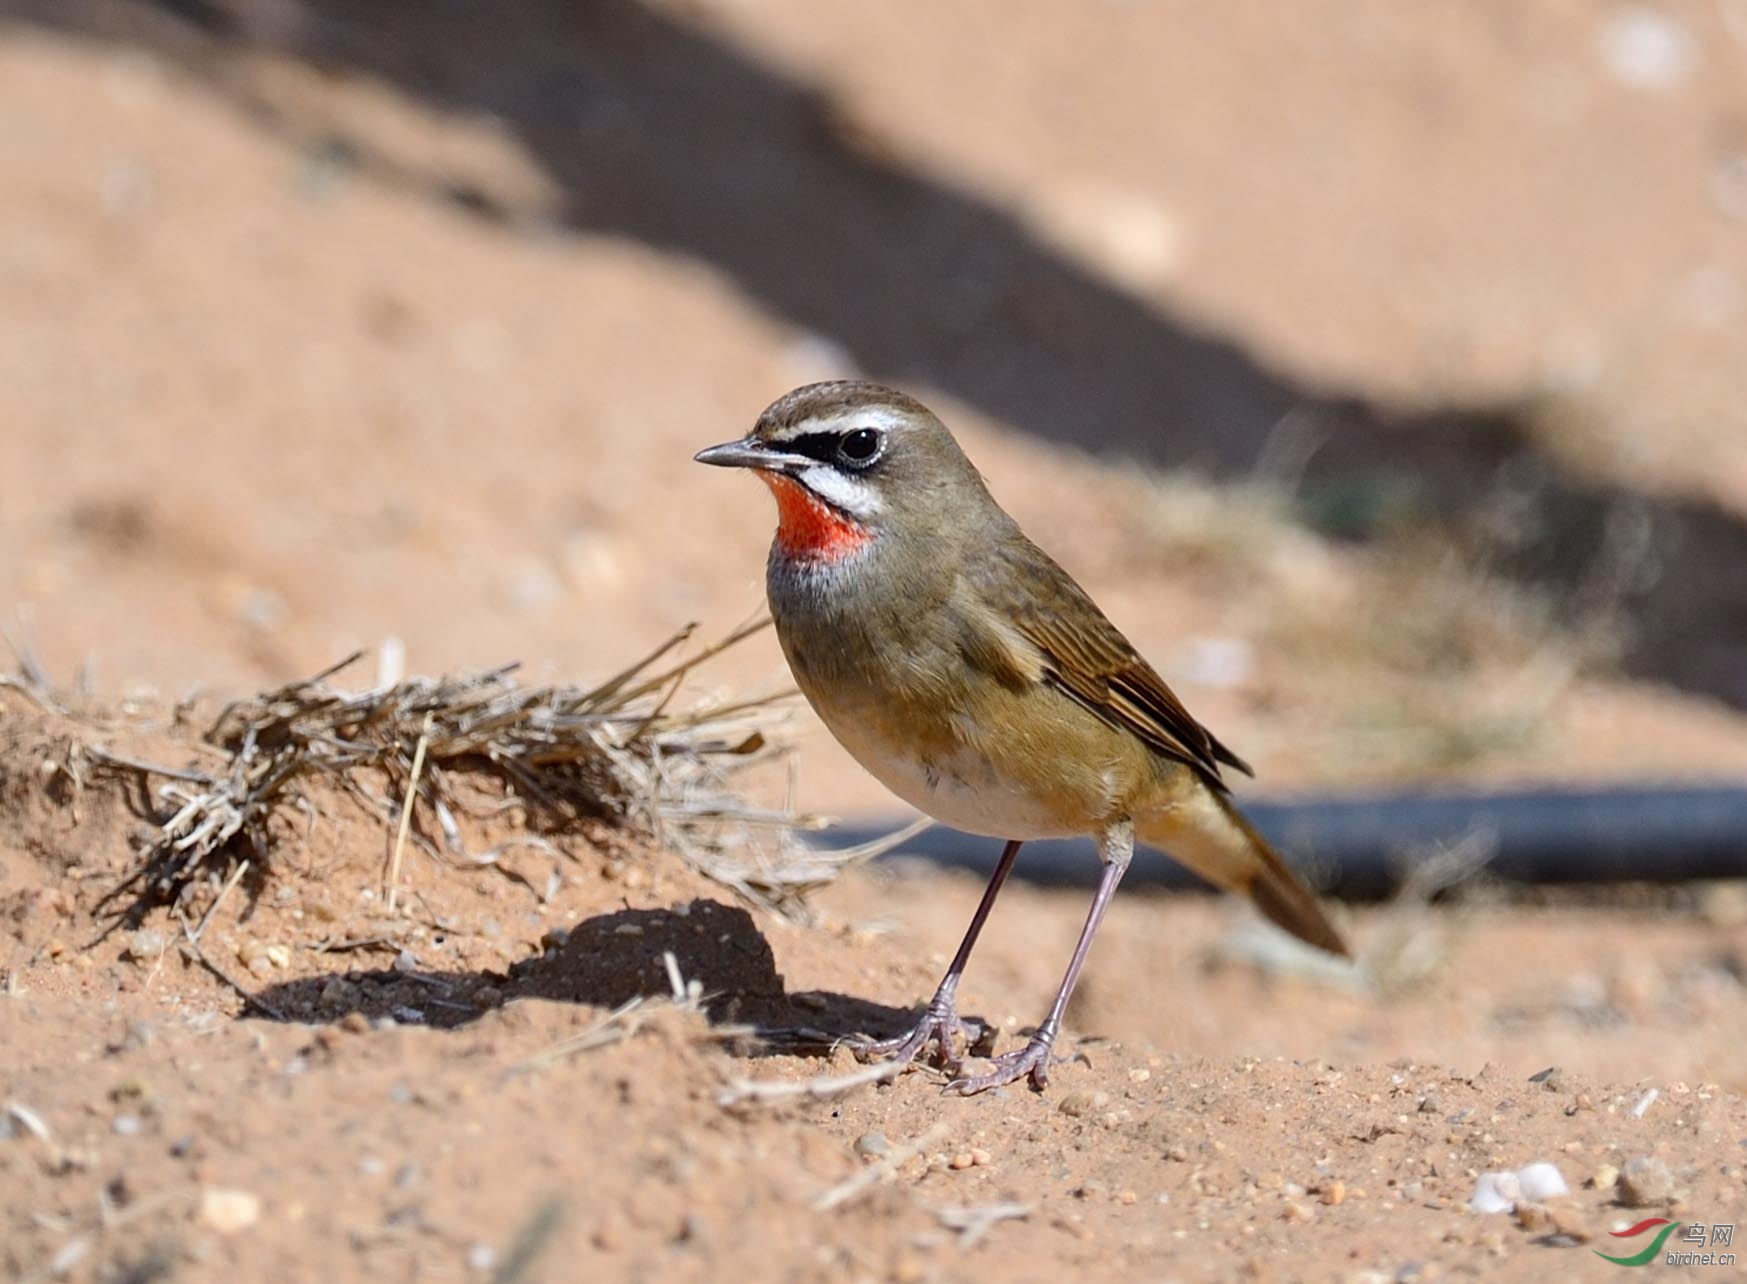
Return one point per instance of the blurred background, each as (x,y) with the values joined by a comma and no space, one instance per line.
(1382,369)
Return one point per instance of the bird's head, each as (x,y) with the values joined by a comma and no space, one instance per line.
(850,462)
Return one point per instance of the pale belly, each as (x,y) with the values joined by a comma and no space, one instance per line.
(965,791)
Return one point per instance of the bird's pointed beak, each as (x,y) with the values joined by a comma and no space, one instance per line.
(750,453)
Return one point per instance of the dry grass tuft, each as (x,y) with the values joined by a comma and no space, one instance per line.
(617,753)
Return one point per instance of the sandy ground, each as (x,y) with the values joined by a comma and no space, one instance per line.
(323,327)
(439,1093)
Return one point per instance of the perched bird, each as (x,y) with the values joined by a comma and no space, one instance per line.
(977,681)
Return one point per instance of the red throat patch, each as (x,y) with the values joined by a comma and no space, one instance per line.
(807,527)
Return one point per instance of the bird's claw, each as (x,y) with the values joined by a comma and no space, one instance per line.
(940,1026)
(1031,1061)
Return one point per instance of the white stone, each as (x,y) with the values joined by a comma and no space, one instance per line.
(1541,1182)
(1532,1184)
(1496,1193)
(229,1211)
(1645,49)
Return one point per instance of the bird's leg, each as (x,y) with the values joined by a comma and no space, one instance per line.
(1116,850)
(940,1021)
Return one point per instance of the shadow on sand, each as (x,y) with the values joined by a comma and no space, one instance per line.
(655,129)
(606,961)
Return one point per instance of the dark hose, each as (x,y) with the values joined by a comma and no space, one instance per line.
(1361,848)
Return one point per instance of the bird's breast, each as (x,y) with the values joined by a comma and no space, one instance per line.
(961,787)
(884,669)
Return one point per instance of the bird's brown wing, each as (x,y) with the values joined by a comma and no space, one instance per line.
(1086,657)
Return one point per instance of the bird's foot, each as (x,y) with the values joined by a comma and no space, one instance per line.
(940,1026)
(1030,1061)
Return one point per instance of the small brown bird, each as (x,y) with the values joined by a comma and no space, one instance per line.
(977,681)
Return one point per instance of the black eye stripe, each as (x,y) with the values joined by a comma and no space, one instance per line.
(815,445)
(827,447)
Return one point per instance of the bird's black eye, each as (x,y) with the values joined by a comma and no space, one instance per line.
(861,447)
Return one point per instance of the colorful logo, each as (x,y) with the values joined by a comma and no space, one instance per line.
(1632,1232)
(1696,1248)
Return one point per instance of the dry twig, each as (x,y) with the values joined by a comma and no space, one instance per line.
(865,1180)
(974,1224)
(820,1088)
(412,794)
(617,752)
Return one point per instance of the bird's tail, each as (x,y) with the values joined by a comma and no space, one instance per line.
(1211,837)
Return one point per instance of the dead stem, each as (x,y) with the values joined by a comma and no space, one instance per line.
(618,752)
(855,1187)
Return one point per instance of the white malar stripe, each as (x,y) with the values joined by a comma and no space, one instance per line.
(853,495)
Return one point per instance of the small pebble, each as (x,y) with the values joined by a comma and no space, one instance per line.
(872,1145)
(1604,1177)
(1078,1104)
(1334,1192)
(1296,1211)
(980,1157)
(126,1125)
(229,1211)
(1645,1182)
(481,1258)
(1552,1079)
(962,1160)
(1532,1217)
(144,946)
